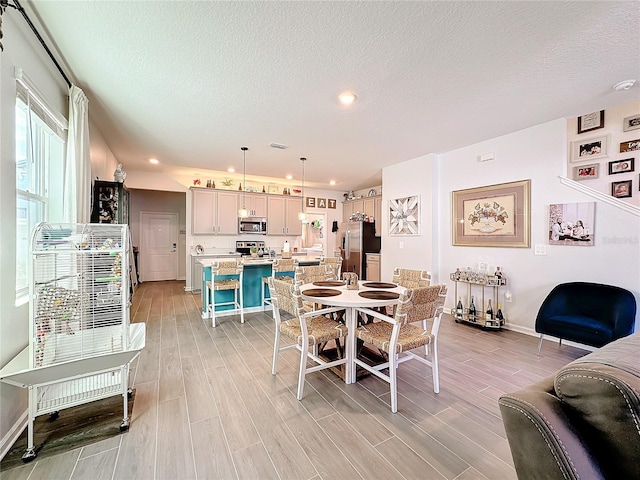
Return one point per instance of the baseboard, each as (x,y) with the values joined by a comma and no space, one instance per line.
(12,435)
(531,332)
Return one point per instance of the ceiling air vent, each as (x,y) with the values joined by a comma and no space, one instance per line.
(279,146)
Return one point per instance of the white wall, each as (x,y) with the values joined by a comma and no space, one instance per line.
(103,162)
(413,177)
(539,154)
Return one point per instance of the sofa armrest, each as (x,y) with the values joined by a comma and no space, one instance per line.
(544,442)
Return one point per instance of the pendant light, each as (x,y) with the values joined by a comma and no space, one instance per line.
(243,212)
(302,216)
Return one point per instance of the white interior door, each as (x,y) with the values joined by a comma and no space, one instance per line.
(158,246)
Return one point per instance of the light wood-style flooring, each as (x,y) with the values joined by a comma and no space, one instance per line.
(207,406)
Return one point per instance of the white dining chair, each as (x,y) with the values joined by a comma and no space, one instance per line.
(398,335)
(307,329)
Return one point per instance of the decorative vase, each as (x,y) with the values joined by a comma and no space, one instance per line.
(487,227)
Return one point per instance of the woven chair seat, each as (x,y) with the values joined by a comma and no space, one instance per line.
(284,278)
(224,285)
(321,329)
(378,334)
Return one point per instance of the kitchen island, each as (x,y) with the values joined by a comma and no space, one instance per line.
(254,270)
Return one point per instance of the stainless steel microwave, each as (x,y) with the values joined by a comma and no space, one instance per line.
(255,225)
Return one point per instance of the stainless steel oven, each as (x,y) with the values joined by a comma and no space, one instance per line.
(255,225)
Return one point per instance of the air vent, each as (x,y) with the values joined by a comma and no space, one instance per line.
(279,146)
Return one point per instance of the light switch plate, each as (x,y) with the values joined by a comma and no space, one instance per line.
(540,249)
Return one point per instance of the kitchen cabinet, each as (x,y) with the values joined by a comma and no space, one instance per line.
(373,267)
(256,204)
(369,206)
(378,214)
(110,202)
(282,215)
(214,212)
(347,210)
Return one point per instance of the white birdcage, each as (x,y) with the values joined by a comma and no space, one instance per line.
(79,292)
(81,342)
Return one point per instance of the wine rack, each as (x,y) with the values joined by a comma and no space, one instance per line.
(478,281)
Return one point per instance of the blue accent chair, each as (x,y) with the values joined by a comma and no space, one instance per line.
(587,313)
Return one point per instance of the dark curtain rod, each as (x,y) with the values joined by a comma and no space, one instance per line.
(18,7)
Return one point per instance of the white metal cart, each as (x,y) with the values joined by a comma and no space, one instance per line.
(81,343)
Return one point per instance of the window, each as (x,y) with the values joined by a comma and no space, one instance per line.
(40,150)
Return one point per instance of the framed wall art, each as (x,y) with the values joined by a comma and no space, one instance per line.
(591,121)
(572,224)
(404,216)
(630,146)
(331,203)
(596,147)
(493,216)
(621,189)
(310,202)
(621,166)
(586,172)
(631,123)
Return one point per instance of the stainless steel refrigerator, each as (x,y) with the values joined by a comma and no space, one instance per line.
(359,238)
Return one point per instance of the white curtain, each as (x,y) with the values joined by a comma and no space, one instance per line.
(77,175)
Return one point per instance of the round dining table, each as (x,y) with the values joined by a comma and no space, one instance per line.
(337,294)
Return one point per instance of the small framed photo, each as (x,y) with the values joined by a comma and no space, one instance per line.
(310,202)
(591,121)
(630,146)
(591,149)
(631,123)
(273,189)
(586,172)
(331,203)
(621,166)
(621,189)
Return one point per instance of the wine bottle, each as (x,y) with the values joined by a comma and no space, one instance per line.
(499,316)
(489,313)
(459,308)
(472,310)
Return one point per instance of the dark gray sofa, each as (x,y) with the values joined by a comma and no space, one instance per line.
(582,423)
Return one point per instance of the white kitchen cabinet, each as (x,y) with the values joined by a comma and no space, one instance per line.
(214,212)
(256,204)
(347,210)
(282,215)
(373,267)
(378,214)
(369,206)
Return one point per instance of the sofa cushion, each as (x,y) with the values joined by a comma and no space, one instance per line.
(602,389)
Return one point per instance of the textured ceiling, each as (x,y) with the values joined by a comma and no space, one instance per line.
(189,82)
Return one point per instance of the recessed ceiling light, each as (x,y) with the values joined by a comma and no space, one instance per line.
(231,169)
(624,85)
(347,98)
(332,182)
(289,177)
(154,161)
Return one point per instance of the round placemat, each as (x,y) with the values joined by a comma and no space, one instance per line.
(377,295)
(379,285)
(329,283)
(321,292)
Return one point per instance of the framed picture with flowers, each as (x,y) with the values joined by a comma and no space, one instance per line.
(493,216)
